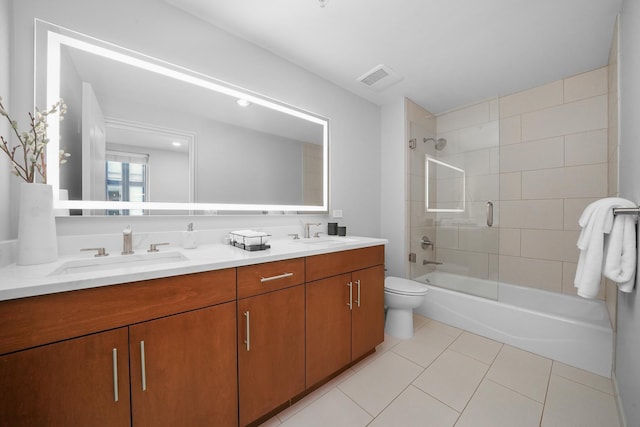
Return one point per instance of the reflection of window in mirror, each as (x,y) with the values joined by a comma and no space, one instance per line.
(127,180)
(444,187)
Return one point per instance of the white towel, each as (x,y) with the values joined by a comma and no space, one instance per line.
(620,252)
(596,221)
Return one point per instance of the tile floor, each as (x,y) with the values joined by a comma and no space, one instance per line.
(446,377)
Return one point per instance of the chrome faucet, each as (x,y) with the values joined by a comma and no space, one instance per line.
(306,228)
(127,241)
(426,261)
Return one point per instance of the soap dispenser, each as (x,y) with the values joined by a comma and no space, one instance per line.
(190,238)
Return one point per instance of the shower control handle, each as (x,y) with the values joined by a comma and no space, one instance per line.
(489,214)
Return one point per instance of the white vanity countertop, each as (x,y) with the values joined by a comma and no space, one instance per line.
(25,281)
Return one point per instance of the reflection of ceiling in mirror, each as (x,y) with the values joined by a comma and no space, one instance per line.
(139,138)
(133,84)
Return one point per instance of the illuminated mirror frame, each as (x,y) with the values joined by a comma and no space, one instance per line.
(54,43)
(428,159)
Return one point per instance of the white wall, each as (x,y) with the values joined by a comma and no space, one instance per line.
(394,198)
(5,61)
(158,29)
(627,367)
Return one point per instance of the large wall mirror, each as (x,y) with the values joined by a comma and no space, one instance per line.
(146,136)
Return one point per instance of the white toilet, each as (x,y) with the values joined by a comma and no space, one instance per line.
(401,296)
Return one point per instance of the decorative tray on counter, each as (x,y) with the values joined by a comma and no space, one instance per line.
(249,240)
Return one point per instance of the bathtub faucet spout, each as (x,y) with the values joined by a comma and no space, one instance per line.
(425,262)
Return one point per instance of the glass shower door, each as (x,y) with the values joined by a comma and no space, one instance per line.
(454,198)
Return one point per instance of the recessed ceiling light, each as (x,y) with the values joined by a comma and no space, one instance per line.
(243,102)
(176,143)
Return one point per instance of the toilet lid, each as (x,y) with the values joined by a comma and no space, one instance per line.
(404,286)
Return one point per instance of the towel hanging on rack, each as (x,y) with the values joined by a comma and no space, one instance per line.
(607,244)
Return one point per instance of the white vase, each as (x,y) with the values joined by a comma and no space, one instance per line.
(37,240)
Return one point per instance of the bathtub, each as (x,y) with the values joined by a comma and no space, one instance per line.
(565,328)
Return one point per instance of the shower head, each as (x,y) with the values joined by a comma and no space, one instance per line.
(439,144)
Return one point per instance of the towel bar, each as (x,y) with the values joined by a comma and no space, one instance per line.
(626,211)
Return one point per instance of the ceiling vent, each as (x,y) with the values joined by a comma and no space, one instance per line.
(380,78)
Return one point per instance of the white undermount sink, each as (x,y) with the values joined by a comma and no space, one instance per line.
(326,240)
(117,262)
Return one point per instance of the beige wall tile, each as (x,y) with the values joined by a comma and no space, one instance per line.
(586,85)
(579,116)
(555,245)
(511,186)
(573,208)
(534,99)
(483,187)
(484,135)
(541,154)
(480,239)
(464,117)
(532,214)
(611,299)
(472,264)
(477,162)
(535,273)
(586,181)
(509,241)
(576,181)
(585,148)
(494,265)
(510,130)
(447,237)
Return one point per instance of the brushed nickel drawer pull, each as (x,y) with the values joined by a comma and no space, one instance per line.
(358,300)
(114,354)
(143,365)
(350,303)
(280,276)
(248,340)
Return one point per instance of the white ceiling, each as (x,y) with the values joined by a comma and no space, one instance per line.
(450,52)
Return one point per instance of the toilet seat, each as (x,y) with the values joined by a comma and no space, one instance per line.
(397,285)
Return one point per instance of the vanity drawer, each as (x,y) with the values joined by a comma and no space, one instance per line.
(261,278)
(33,321)
(332,264)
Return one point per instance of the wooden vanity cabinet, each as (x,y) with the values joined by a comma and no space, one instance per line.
(57,363)
(271,340)
(183,369)
(70,383)
(345,311)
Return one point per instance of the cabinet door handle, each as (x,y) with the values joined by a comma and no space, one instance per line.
(489,214)
(248,326)
(350,303)
(358,300)
(143,366)
(114,354)
(280,276)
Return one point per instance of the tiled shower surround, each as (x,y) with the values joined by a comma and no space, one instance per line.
(541,156)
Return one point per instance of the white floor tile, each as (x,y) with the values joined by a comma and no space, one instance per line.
(571,404)
(521,371)
(415,408)
(583,377)
(477,347)
(419,321)
(452,379)
(315,395)
(271,422)
(425,346)
(378,383)
(332,409)
(496,406)
(444,328)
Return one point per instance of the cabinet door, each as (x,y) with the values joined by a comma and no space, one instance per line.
(368,310)
(328,327)
(183,369)
(270,351)
(79,382)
